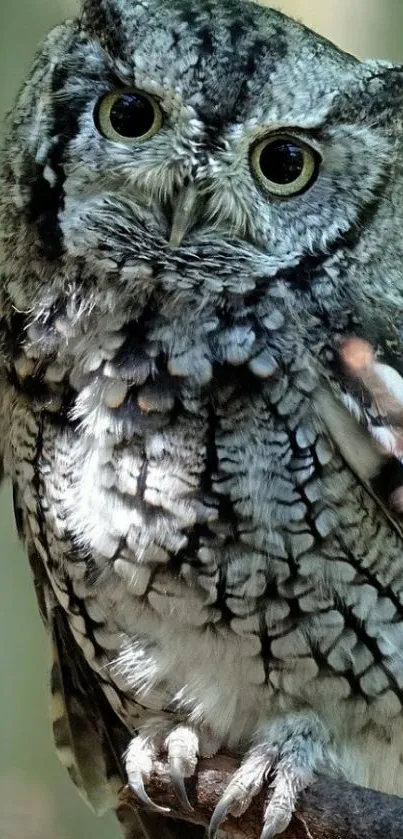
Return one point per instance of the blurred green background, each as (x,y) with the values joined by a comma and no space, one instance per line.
(37,800)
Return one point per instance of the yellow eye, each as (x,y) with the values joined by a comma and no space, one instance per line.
(128,116)
(284,165)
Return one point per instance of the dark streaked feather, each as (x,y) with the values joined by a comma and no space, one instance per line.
(90,739)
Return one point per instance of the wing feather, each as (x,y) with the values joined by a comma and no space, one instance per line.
(90,739)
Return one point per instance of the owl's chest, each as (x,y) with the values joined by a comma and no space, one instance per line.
(223,496)
(187,447)
(219,548)
(201,526)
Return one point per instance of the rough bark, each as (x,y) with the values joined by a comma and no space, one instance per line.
(329,809)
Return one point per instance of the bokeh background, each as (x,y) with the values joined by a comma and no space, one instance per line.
(37,800)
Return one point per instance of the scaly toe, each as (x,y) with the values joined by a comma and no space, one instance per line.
(244,786)
(139,762)
(182,745)
(304,750)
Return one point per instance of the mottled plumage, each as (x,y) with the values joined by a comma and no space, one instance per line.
(195,472)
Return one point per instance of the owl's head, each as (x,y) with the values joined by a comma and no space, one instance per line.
(214,141)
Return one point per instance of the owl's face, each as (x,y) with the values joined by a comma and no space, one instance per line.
(200,137)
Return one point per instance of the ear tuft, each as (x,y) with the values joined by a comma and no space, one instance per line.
(103,18)
(383,86)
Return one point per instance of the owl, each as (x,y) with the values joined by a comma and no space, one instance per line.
(201,307)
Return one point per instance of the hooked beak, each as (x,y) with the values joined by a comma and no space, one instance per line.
(184,214)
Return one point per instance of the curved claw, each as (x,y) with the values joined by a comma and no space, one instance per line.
(220,813)
(269,831)
(276,824)
(178,783)
(137,785)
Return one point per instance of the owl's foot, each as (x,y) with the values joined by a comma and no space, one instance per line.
(287,757)
(140,757)
(181,746)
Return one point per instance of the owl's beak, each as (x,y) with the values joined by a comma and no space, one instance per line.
(183,214)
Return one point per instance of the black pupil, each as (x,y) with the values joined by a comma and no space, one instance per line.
(132,115)
(282,162)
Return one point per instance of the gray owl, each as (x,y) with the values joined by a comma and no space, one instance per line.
(201,214)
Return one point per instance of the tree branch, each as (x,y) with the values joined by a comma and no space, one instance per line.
(329,809)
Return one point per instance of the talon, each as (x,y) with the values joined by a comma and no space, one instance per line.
(178,783)
(268,832)
(221,812)
(137,785)
(275,826)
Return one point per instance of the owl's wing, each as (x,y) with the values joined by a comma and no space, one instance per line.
(4,414)
(90,739)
